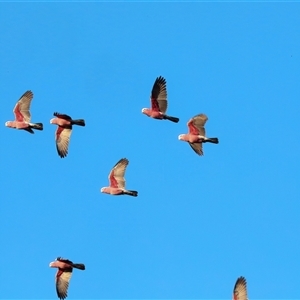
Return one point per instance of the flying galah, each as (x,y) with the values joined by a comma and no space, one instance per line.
(196,135)
(240,289)
(23,116)
(117,180)
(159,102)
(63,132)
(63,275)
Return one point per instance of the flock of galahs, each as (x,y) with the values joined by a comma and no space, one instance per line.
(159,104)
(195,137)
(65,268)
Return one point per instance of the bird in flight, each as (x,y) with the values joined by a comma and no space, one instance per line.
(63,132)
(196,135)
(159,103)
(117,180)
(23,116)
(63,275)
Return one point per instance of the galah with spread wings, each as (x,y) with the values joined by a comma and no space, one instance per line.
(117,180)
(63,275)
(240,289)
(159,103)
(196,135)
(63,132)
(23,116)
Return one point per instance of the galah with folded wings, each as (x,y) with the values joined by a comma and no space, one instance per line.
(117,180)
(63,275)
(240,289)
(196,135)
(159,103)
(23,116)
(63,132)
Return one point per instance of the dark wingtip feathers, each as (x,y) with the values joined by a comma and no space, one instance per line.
(240,281)
(158,86)
(161,80)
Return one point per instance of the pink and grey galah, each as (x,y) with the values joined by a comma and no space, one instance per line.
(117,180)
(240,289)
(23,116)
(63,132)
(159,103)
(63,275)
(196,135)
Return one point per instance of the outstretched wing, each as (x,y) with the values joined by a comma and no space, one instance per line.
(116,176)
(197,147)
(240,289)
(62,116)
(22,107)
(62,282)
(196,124)
(159,95)
(62,137)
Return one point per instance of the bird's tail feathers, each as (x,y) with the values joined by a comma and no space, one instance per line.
(213,140)
(28,129)
(38,126)
(173,119)
(131,193)
(79,122)
(79,266)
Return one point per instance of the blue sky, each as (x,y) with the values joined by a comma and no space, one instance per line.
(199,222)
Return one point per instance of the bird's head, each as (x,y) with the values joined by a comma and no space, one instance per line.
(52,264)
(8,124)
(181,137)
(52,121)
(55,264)
(102,190)
(145,110)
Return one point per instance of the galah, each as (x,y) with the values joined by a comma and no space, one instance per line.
(23,116)
(63,275)
(159,103)
(196,135)
(63,132)
(117,180)
(240,289)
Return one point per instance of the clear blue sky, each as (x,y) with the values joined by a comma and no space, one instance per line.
(198,222)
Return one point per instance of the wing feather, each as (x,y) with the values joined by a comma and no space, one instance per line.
(197,147)
(159,95)
(62,282)
(116,176)
(62,136)
(240,289)
(196,124)
(22,107)
(62,116)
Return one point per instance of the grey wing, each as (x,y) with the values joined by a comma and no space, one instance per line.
(119,172)
(240,289)
(199,122)
(159,92)
(22,107)
(197,147)
(62,141)
(62,284)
